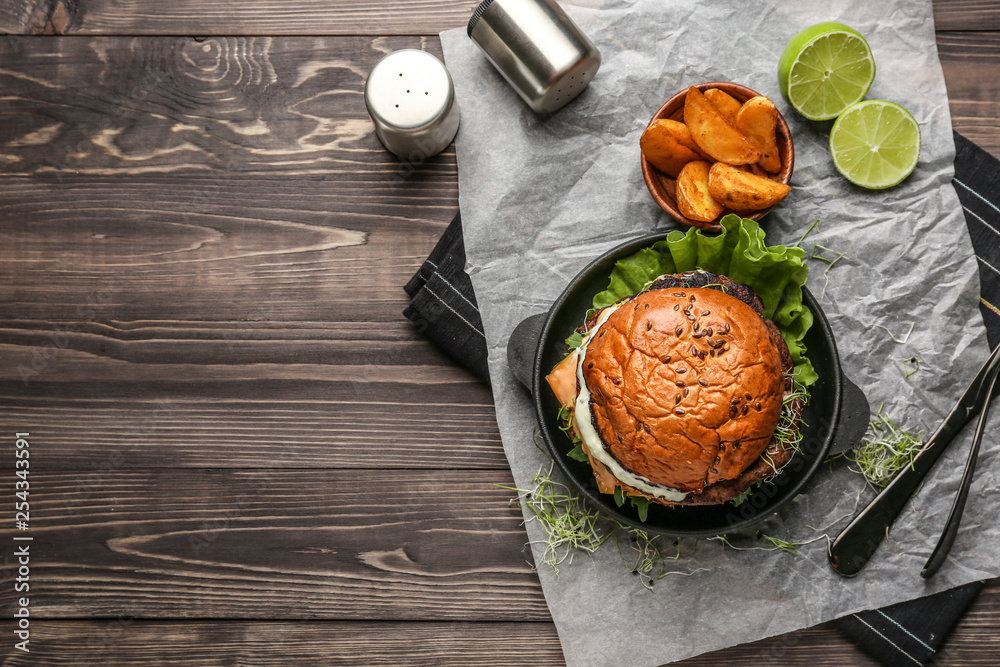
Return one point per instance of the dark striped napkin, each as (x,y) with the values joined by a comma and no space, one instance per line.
(977,181)
(443,306)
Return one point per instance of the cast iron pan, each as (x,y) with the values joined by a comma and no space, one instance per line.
(835,419)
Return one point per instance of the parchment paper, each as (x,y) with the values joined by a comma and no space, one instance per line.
(543,195)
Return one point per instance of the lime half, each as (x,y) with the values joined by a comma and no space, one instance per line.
(875,144)
(825,69)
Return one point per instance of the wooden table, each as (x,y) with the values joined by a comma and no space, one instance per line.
(240,450)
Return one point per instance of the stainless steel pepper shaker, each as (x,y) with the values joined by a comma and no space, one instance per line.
(538,48)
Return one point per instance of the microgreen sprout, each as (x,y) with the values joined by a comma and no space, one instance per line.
(896,338)
(793,547)
(774,543)
(911,365)
(650,564)
(767,457)
(568,524)
(885,450)
(803,237)
(829,261)
(789,433)
(789,547)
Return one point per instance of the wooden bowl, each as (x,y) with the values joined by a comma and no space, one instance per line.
(663,187)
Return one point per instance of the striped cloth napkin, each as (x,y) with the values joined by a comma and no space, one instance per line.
(443,306)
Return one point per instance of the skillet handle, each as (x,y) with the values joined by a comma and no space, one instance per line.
(522,346)
(854,415)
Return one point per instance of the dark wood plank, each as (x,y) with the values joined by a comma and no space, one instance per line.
(129,641)
(246,17)
(968,15)
(313,17)
(337,545)
(971,62)
(106,428)
(976,639)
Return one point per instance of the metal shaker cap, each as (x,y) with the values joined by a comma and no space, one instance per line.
(411,100)
(538,48)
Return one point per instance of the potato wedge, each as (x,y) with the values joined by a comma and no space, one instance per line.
(681,132)
(715,135)
(693,198)
(724,102)
(754,168)
(666,146)
(743,191)
(758,120)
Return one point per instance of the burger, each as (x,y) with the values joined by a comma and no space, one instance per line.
(681,394)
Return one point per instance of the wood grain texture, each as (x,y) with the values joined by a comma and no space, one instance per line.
(971,62)
(966,15)
(313,17)
(113,430)
(128,641)
(244,17)
(975,639)
(281,544)
(205,245)
(232,179)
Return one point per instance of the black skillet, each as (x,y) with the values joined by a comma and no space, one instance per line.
(835,419)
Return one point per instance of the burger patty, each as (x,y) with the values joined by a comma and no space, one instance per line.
(733,472)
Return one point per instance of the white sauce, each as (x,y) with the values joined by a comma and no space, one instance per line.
(592,441)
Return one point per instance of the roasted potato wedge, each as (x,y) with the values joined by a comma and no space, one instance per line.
(693,198)
(668,146)
(681,132)
(740,190)
(757,120)
(724,102)
(715,135)
(754,168)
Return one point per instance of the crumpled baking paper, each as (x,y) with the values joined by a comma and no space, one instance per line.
(542,195)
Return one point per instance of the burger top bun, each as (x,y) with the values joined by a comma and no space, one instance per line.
(686,386)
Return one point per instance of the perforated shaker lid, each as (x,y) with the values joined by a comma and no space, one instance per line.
(411,100)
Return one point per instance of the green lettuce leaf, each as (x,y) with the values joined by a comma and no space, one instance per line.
(776,273)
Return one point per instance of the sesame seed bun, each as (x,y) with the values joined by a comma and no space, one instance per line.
(686,389)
